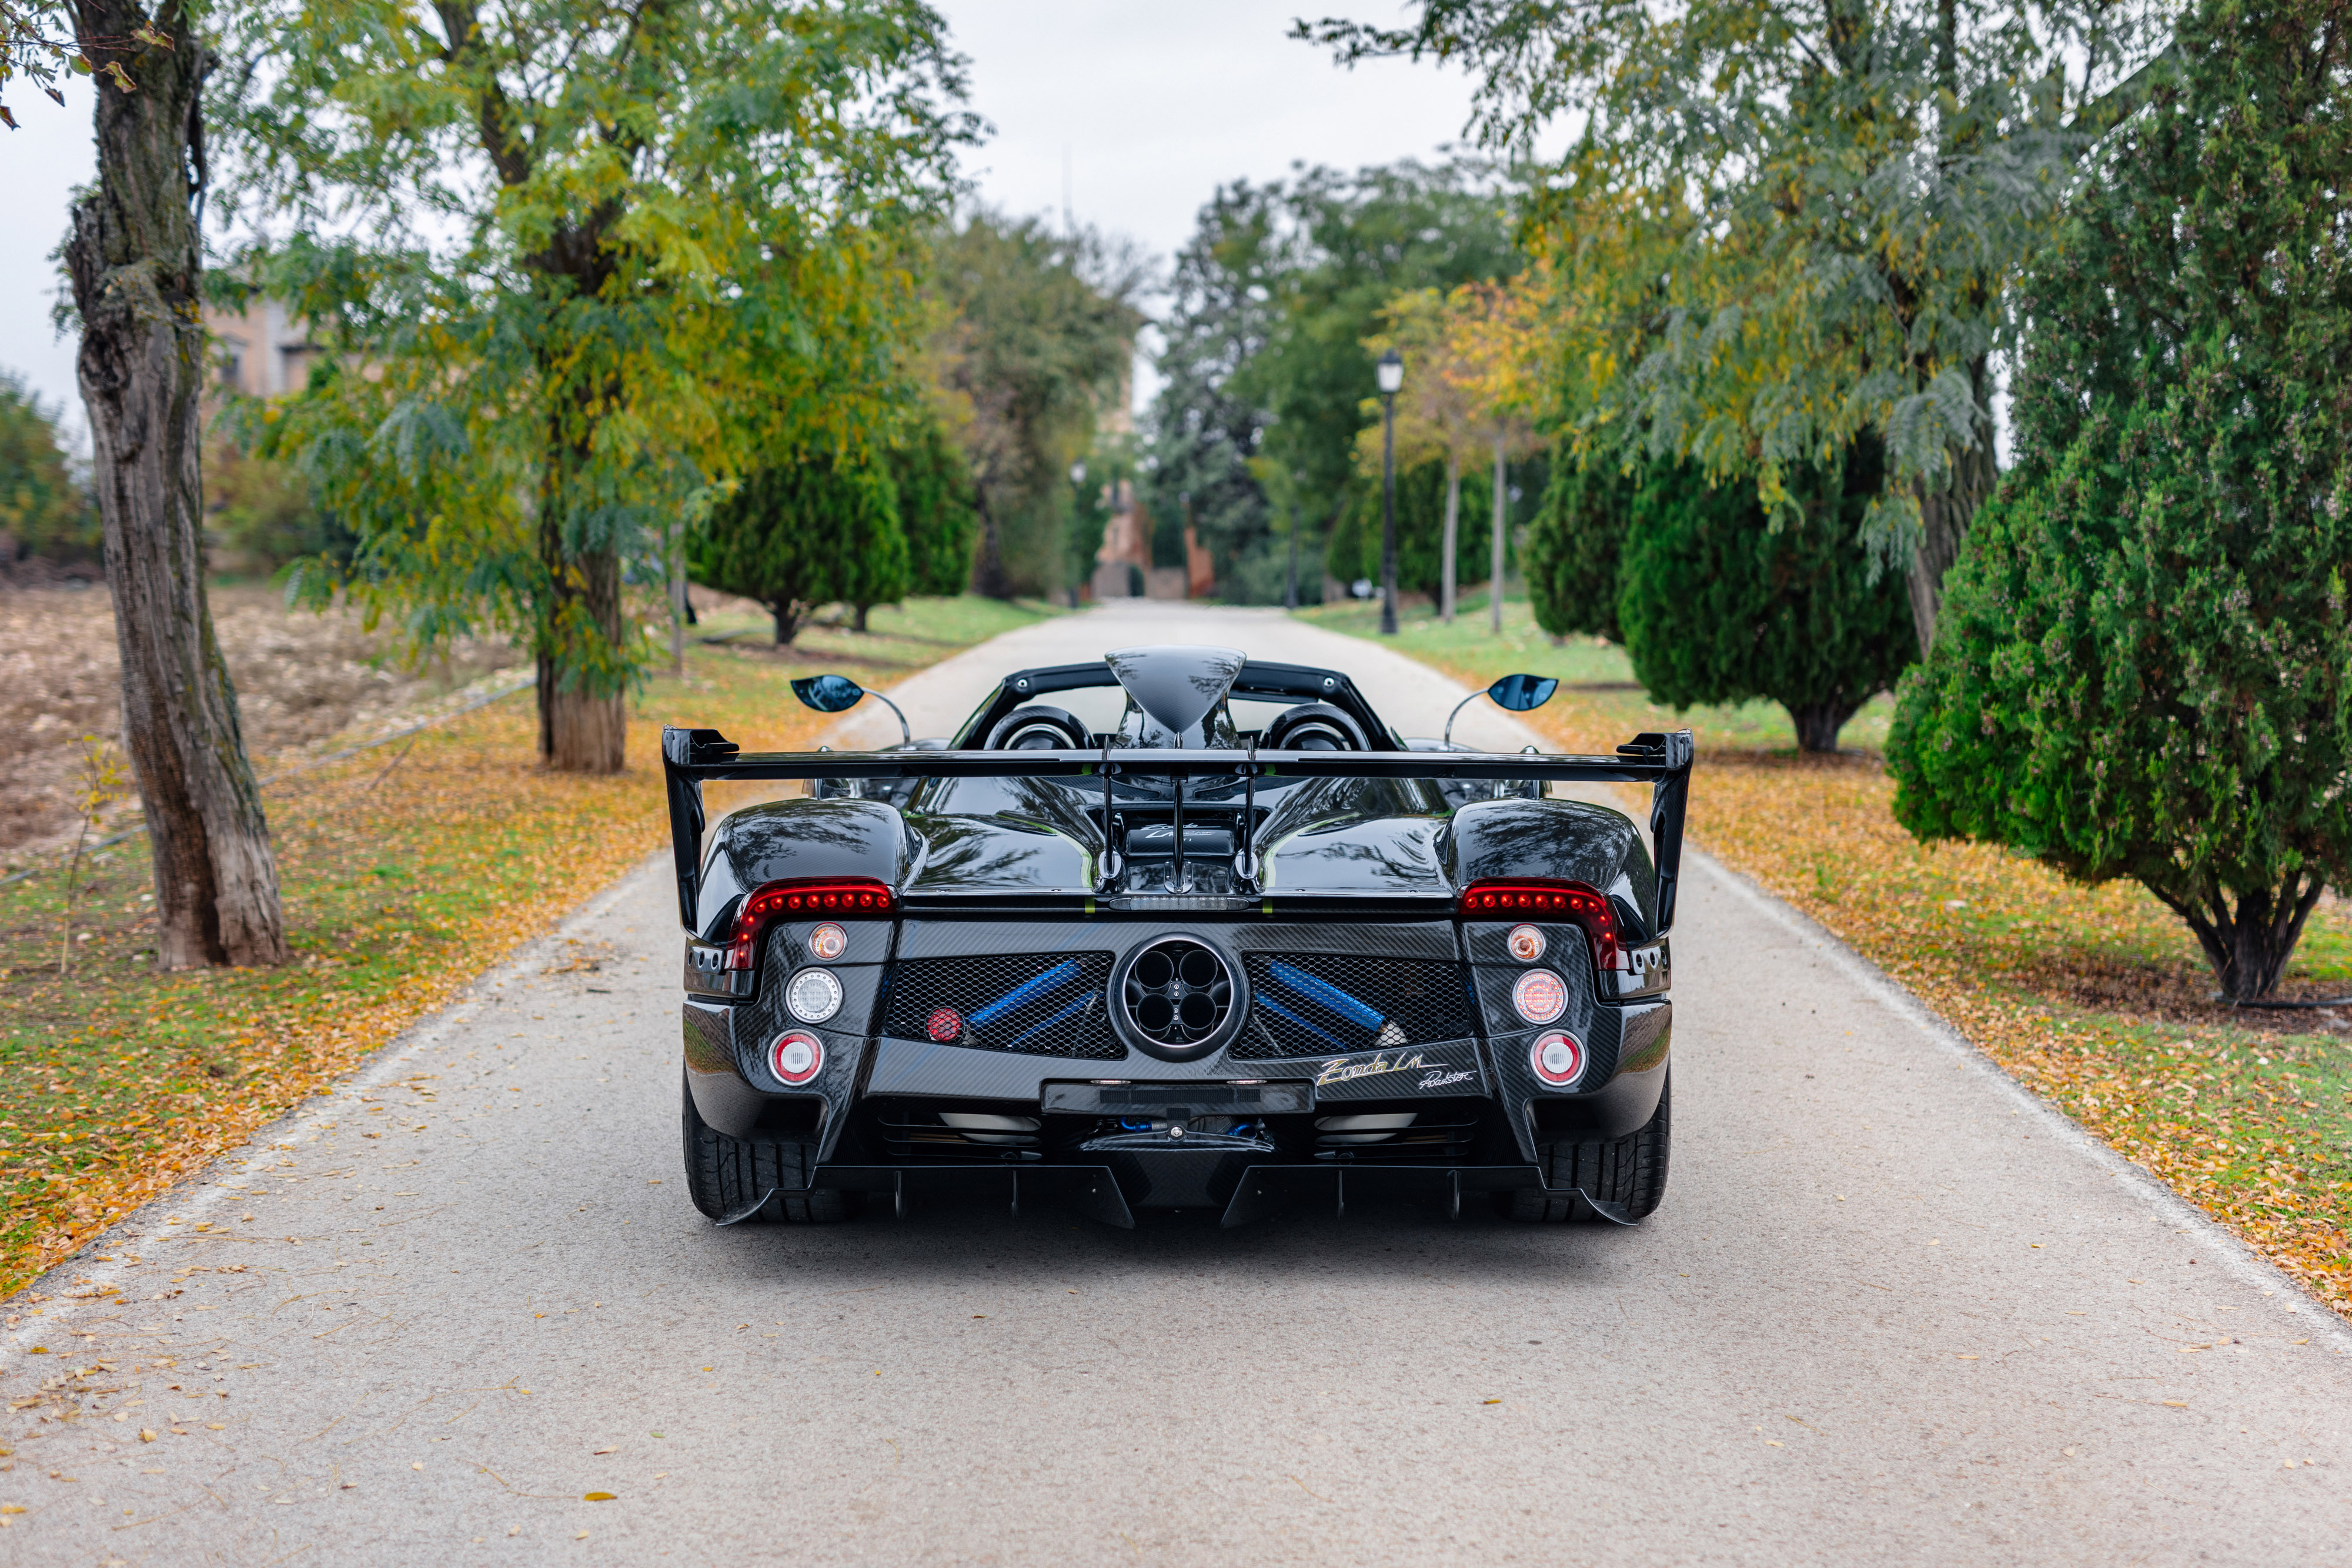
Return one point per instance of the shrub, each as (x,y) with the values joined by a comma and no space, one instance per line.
(44,510)
(2144,663)
(935,510)
(1573,546)
(817,530)
(1717,607)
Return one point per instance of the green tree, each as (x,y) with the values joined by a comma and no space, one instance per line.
(1041,337)
(935,509)
(1266,364)
(574,260)
(43,510)
(1718,607)
(1866,179)
(2145,668)
(1574,545)
(812,530)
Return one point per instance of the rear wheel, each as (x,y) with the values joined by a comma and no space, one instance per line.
(1630,1171)
(723,1174)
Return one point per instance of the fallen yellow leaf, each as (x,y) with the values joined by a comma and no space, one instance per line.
(597,1497)
(2177,1404)
(146,1434)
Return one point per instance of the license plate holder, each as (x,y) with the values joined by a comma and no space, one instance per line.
(1177,1101)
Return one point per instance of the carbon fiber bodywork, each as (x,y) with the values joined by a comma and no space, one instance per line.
(1062,993)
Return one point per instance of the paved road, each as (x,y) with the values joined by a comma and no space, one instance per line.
(1891,1312)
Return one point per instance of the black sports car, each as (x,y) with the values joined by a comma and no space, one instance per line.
(1172,930)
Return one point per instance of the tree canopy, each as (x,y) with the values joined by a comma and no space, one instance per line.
(1266,364)
(2146,665)
(1040,335)
(1862,180)
(571,261)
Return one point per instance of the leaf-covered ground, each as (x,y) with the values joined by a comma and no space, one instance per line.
(2096,998)
(408,871)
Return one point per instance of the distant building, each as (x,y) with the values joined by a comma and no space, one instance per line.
(1123,567)
(268,353)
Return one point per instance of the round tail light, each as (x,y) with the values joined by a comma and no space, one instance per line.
(814,995)
(828,942)
(796,1056)
(945,1025)
(1556,1057)
(1526,943)
(1540,995)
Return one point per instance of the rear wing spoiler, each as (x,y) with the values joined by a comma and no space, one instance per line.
(691,757)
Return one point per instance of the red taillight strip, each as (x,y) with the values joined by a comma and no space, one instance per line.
(835,898)
(1572,901)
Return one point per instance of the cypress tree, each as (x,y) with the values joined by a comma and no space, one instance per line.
(936,510)
(818,531)
(1573,546)
(2145,666)
(1717,607)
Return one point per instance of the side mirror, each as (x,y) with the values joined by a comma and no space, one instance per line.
(1520,693)
(839,693)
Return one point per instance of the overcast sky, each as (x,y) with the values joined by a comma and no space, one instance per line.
(1149,104)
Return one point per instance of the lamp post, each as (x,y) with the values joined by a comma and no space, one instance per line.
(1392,375)
(1078,504)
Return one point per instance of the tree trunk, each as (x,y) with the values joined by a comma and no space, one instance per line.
(1818,724)
(863,609)
(1943,518)
(135,258)
(2248,944)
(788,622)
(1446,584)
(1495,569)
(681,610)
(989,577)
(583,717)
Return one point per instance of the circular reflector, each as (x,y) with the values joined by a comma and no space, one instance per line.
(1527,944)
(944,1025)
(1540,995)
(795,1057)
(814,995)
(1558,1057)
(828,940)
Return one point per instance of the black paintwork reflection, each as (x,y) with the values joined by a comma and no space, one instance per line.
(997,855)
(1369,853)
(1178,686)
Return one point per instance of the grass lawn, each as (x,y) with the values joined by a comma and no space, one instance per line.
(2096,998)
(408,871)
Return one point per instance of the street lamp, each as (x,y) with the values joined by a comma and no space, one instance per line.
(1079,500)
(1392,373)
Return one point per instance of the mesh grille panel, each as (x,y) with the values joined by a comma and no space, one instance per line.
(1314,1004)
(1039,1004)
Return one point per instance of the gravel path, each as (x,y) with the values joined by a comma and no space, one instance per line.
(1891,1311)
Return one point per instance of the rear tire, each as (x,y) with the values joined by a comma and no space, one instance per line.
(1631,1171)
(723,1174)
